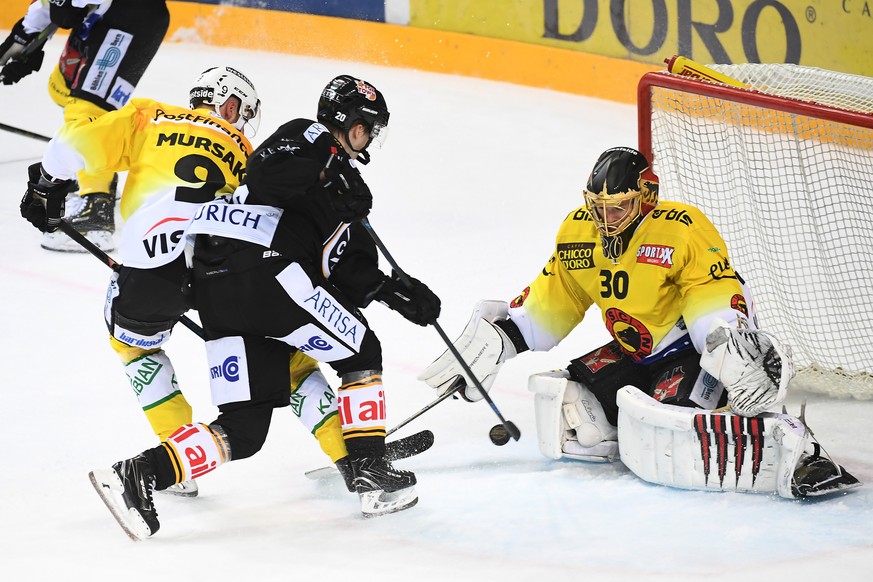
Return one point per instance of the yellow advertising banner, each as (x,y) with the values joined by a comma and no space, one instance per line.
(831,34)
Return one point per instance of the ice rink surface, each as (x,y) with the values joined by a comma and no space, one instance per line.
(469,191)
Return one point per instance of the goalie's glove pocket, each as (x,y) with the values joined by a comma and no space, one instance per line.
(754,367)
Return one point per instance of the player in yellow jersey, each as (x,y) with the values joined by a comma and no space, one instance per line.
(109,47)
(177,159)
(685,337)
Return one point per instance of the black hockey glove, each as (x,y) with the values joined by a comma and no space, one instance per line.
(43,203)
(418,304)
(349,194)
(14,59)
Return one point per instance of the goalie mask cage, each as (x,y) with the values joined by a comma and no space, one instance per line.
(784,169)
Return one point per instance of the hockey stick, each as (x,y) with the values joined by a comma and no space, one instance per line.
(24,132)
(404,278)
(115,266)
(37,43)
(405,447)
(409,446)
(451,392)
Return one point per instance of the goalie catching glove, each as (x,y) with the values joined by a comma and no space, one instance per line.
(484,347)
(754,367)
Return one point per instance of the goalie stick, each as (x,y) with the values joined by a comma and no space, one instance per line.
(403,448)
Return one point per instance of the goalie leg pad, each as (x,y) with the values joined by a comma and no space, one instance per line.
(696,449)
(570,420)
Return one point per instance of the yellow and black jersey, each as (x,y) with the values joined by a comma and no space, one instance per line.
(176,159)
(673,278)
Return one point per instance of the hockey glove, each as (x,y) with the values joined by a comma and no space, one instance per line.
(15,59)
(349,195)
(43,203)
(754,367)
(418,304)
(484,347)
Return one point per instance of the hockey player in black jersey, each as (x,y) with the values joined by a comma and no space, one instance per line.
(287,266)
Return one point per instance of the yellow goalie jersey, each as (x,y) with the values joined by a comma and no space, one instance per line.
(673,278)
(176,158)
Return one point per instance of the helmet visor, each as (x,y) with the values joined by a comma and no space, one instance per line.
(378,134)
(613,213)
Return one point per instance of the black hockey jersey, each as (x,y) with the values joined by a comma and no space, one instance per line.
(284,172)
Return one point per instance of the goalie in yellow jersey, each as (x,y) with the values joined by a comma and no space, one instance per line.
(685,342)
(177,159)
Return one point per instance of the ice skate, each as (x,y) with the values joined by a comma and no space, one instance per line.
(126,489)
(817,475)
(187,488)
(381,488)
(93,215)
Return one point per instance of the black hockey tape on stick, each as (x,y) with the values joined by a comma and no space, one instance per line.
(24,132)
(115,266)
(509,425)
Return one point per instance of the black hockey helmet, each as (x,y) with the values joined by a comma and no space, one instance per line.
(621,190)
(620,175)
(347,100)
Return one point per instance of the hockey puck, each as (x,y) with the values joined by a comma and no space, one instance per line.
(498,435)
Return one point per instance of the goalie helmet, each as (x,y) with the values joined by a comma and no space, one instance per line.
(346,101)
(216,85)
(621,190)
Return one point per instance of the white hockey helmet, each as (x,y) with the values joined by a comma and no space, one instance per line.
(216,85)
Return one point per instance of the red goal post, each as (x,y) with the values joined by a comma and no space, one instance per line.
(783,165)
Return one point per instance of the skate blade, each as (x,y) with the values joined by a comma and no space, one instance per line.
(184,489)
(377,503)
(838,486)
(109,488)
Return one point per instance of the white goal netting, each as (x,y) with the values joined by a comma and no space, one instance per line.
(790,187)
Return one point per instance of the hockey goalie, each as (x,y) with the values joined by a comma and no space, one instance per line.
(684,388)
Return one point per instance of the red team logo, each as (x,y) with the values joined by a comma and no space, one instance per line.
(519,301)
(601,357)
(633,337)
(366,90)
(738,303)
(668,385)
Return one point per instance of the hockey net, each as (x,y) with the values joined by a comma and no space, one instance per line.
(784,168)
